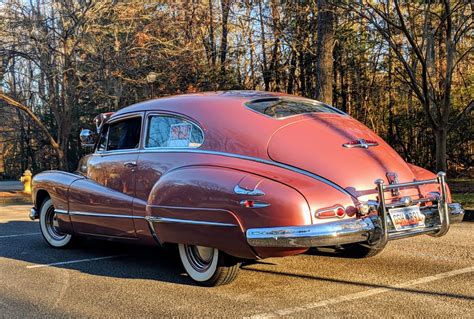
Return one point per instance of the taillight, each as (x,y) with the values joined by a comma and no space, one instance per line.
(254,203)
(340,212)
(331,212)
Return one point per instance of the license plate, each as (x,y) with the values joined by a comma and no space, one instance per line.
(407,217)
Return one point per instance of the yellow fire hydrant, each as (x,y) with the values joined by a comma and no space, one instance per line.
(26,180)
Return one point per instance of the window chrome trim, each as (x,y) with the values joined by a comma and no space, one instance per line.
(113,121)
(154,219)
(254,159)
(176,115)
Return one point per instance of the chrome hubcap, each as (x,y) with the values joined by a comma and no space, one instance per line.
(52,225)
(199,257)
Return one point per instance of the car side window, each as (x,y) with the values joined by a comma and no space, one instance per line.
(124,134)
(172,132)
(103,138)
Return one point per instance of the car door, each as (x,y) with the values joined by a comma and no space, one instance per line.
(163,132)
(102,204)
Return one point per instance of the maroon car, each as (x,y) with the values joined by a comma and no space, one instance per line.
(243,175)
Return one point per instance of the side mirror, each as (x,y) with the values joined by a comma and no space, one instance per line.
(87,138)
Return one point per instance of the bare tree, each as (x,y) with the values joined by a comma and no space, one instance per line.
(439,40)
(325,46)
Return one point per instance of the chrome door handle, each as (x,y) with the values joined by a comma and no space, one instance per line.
(130,164)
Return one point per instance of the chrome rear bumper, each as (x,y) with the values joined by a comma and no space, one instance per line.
(338,232)
(376,229)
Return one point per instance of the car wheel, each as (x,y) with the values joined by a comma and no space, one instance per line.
(208,266)
(360,250)
(50,229)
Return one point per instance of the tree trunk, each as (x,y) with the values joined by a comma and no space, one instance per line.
(441,139)
(325,45)
(225,4)
(212,43)
(266,76)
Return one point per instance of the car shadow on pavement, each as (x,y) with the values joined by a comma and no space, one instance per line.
(132,261)
(361,284)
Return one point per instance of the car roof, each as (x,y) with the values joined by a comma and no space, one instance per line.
(229,126)
(182,103)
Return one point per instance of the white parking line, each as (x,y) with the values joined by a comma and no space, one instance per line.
(362,294)
(19,235)
(73,261)
(15,218)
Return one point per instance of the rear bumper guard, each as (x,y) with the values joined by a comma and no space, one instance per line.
(372,229)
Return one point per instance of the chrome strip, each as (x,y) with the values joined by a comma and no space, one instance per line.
(155,219)
(187,208)
(381,238)
(254,159)
(76,213)
(61,211)
(362,144)
(116,152)
(242,191)
(345,231)
(152,230)
(327,234)
(33,213)
(410,184)
(443,207)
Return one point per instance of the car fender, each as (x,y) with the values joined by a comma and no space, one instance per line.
(424,174)
(55,185)
(199,205)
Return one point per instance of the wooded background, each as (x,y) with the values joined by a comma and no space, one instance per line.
(404,68)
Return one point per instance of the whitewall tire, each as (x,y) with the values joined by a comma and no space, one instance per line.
(49,227)
(208,266)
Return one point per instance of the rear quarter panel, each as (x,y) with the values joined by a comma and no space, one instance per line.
(206,193)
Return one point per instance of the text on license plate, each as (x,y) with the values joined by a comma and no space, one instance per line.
(407,217)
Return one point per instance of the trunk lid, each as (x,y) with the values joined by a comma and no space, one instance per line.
(314,142)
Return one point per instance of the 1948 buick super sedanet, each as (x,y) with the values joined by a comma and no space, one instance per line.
(232,176)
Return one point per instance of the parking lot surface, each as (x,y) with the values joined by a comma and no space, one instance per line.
(415,277)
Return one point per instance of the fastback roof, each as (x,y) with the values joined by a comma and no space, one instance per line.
(198,98)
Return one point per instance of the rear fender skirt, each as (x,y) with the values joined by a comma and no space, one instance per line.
(216,228)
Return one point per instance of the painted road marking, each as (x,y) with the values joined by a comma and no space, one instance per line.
(22,217)
(73,261)
(362,294)
(19,235)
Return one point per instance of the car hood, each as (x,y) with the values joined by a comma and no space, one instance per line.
(315,143)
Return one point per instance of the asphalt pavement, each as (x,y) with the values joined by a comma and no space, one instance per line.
(416,277)
(11,186)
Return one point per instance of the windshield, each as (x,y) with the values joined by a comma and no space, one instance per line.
(283,107)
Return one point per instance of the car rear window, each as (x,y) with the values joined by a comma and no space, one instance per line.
(284,107)
(168,131)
